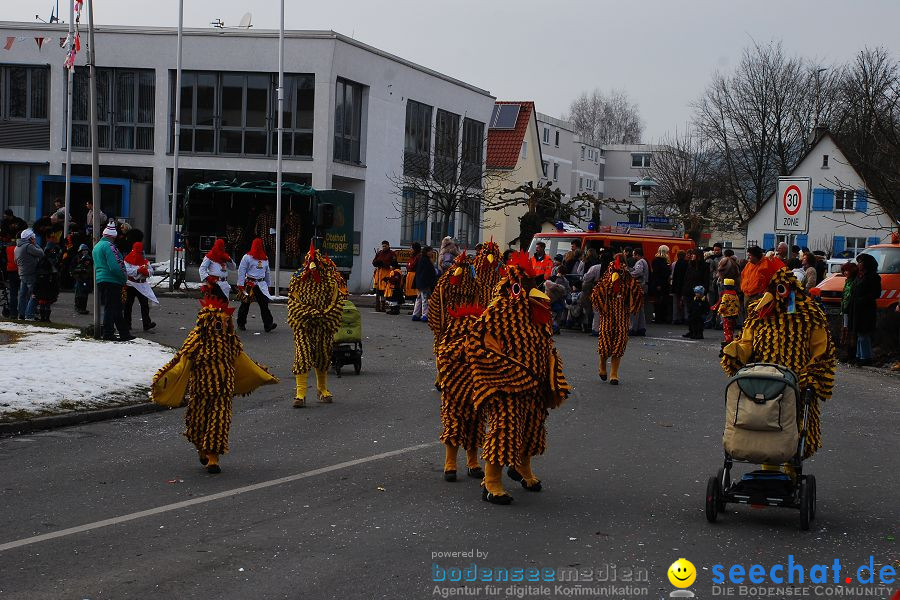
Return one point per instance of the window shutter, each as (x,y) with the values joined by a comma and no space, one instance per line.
(838,245)
(768,241)
(872,241)
(827,200)
(817,199)
(803,240)
(862,201)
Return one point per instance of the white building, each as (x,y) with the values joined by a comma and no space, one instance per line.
(625,165)
(347,120)
(843,217)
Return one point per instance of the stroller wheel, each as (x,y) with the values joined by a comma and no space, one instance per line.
(723,478)
(805,505)
(357,365)
(811,484)
(712,499)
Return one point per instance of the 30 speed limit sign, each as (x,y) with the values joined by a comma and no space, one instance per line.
(792,204)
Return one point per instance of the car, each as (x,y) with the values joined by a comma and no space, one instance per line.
(831,290)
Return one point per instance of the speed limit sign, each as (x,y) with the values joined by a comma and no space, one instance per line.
(792,204)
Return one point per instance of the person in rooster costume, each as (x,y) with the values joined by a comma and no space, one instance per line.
(253,283)
(137,268)
(616,297)
(516,376)
(316,297)
(787,327)
(453,307)
(214,271)
(209,370)
(728,307)
(489,271)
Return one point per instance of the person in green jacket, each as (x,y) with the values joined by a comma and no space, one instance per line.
(109,272)
(849,271)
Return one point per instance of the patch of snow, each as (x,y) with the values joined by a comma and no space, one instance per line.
(58,369)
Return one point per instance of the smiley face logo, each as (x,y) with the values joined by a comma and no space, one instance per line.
(682,573)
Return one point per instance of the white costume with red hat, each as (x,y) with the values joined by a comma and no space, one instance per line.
(138,270)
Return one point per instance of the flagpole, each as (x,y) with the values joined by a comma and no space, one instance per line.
(71,80)
(95,156)
(177,147)
(278,174)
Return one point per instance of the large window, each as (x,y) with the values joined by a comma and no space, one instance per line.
(348,100)
(473,151)
(641,161)
(417,139)
(446,145)
(415,216)
(19,187)
(24,93)
(126,101)
(469,222)
(844,200)
(854,245)
(237,113)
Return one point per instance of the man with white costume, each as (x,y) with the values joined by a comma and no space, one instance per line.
(137,268)
(253,284)
(214,271)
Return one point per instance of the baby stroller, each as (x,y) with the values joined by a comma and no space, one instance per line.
(347,348)
(763,406)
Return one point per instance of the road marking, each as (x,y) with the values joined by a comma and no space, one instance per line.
(662,339)
(204,499)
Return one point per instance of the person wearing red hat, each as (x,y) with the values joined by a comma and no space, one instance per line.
(253,284)
(214,271)
(137,268)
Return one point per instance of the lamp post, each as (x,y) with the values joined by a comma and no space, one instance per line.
(176,146)
(646,184)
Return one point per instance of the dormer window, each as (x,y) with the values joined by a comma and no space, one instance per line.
(824,161)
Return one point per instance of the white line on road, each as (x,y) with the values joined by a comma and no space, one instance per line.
(665,339)
(204,499)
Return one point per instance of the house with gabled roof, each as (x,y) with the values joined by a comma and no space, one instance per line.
(844,218)
(513,157)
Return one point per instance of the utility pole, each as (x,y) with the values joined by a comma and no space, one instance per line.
(70,74)
(278,174)
(95,155)
(177,147)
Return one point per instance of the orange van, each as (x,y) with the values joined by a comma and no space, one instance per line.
(888,256)
(615,239)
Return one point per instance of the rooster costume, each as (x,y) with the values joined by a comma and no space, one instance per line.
(209,369)
(452,310)
(728,307)
(137,268)
(516,376)
(615,297)
(315,303)
(788,328)
(214,271)
(488,271)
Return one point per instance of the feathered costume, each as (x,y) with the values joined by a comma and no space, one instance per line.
(316,298)
(615,297)
(488,271)
(788,328)
(208,370)
(452,309)
(516,376)
(728,307)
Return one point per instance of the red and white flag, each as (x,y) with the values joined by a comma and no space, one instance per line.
(40,42)
(9,43)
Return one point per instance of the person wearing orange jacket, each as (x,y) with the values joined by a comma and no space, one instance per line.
(540,262)
(756,275)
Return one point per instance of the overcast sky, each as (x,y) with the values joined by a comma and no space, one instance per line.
(661,52)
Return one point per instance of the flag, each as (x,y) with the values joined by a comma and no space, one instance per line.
(62,42)
(40,42)
(9,43)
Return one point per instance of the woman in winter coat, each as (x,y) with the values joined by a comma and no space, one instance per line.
(679,268)
(863,309)
(696,273)
(659,285)
(849,271)
(426,277)
(448,253)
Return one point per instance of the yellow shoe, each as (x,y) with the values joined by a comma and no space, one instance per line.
(325,398)
(299,402)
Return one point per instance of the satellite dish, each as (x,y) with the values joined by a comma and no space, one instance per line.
(246,21)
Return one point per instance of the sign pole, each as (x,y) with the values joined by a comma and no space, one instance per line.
(278,174)
(177,146)
(95,156)
(70,78)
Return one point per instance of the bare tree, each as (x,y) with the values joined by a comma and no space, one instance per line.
(606,119)
(759,120)
(543,203)
(867,125)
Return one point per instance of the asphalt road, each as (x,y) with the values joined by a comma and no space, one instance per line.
(312,504)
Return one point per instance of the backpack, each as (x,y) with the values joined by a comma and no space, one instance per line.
(46,280)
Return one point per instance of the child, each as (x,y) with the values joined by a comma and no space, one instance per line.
(698,309)
(393,290)
(83,273)
(728,308)
(46,283)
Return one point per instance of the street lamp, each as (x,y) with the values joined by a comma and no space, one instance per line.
(646,184)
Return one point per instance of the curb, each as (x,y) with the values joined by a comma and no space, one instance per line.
(78,418)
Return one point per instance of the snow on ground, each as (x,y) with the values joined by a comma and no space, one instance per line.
(57,370)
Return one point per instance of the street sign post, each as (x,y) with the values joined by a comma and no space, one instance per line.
(792,204)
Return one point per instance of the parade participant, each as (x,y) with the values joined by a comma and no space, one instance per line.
(728,307)
(615,298)
(265,227)
(488,269)
(516,376)
(137,268)
(455,288)
(787,327)
(393,290)
(540,262)
(293,230)
(382,262)
(109,273)
(453,311)
(209,369)
(253,283)
(83,273)
(214,271)
(315,303)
